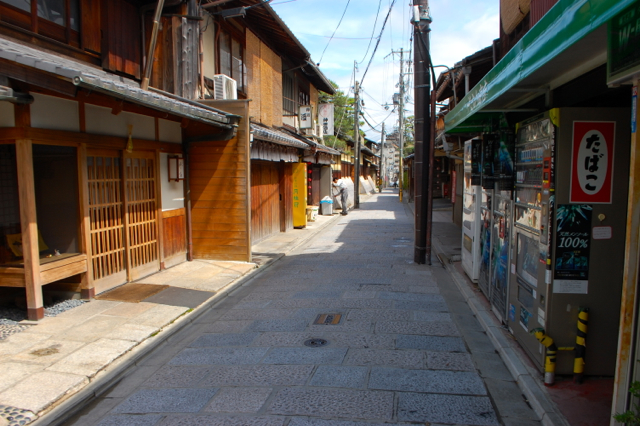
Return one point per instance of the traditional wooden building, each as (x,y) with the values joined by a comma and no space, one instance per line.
(113,167)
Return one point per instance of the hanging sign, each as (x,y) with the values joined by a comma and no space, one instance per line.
(305,117)
(592,162)
(325,117)
(573,240)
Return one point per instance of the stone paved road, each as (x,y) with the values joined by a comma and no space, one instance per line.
(404,350)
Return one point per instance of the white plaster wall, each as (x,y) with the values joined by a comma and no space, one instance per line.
(49,112)
(7,115)
(208,44)
(170,131)
(99,120)
(172,192)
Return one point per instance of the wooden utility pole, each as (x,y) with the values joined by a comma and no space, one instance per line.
(401,126)
(423,146)
(356,154)
(382,169)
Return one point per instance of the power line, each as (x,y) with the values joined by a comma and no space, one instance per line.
(373,29)
(334,31)
(378,42)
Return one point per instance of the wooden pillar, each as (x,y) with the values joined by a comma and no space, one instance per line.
(87,290)
(625,363)
(29,229)
(159,218)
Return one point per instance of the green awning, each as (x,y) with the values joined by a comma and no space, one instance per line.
(569,40)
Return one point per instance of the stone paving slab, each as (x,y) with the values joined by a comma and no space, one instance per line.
(430,343)
(448,409)
(431,328)
(219,356)
(38,391)
(166,401)
(378,315)
(215,420)
(177,377)
(129,420)
(410,305)
(335,404)
(293,324)
(449,361)
(391,358)
(340,376)
(440,381)
(93,357)
(296,356)
(239,400)
(13,372)
(233,339)
(259,375)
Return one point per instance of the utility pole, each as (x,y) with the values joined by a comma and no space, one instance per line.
(401,126)
(356,154)
(423,148)
(382,170)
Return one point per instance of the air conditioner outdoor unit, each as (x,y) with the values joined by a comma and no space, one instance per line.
(224,87)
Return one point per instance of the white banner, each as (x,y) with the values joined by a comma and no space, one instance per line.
(305,117)
(325,118)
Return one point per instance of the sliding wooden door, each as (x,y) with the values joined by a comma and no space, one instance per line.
(106,215)
(122,195)
(141,219)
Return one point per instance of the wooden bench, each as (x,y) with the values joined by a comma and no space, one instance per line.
(52,269)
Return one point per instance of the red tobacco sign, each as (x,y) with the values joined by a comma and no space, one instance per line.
(592,162)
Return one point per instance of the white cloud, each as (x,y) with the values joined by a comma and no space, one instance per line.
(459,29)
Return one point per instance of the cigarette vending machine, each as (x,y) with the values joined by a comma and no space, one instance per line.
(569,224)
(471,209)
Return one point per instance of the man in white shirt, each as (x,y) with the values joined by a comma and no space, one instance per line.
(341,186)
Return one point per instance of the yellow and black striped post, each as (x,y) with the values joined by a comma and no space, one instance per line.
(550,359)
(578,363)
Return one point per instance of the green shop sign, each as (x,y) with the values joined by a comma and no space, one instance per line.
(624,45)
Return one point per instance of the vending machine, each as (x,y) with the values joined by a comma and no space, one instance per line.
(496,214)
(471,208)
(569,224)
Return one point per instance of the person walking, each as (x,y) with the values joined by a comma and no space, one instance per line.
(341,186)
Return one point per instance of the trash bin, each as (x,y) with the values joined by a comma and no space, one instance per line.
(326,206)
(312,213)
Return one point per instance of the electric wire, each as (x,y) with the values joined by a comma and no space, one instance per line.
(373,29)
(384,24)
(334,31)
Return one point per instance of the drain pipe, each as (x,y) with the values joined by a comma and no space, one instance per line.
(148,66)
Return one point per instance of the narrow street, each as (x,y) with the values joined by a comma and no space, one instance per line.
(345,331)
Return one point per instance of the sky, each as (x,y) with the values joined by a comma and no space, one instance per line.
(459,28)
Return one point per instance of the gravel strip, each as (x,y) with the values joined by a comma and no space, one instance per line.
(10,317)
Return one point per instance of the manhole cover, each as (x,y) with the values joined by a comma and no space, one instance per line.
(328,319)
(316,343)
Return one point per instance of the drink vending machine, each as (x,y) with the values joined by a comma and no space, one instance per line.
(471,208)
(569,224)
(495,221)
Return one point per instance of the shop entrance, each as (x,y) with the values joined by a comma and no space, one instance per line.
(122,200)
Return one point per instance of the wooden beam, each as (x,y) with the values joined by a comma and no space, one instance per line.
(29,228)
(65,138)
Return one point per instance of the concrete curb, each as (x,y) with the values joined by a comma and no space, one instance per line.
(112,374)
(528,382)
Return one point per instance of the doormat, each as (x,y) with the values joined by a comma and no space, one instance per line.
(131,292)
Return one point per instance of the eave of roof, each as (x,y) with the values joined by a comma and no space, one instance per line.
(84,75)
